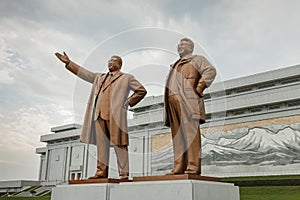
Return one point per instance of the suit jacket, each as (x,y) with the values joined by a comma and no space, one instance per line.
(196,74)
(119,86)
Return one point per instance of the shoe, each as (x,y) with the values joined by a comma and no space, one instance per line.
(124,177)
(97,177)
(194,172)
(174,173)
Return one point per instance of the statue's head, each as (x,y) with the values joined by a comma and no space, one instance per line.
(114,63)
(185,47)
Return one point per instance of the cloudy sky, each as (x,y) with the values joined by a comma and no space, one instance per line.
(239,37)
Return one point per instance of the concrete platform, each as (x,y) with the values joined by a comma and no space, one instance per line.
(148,190)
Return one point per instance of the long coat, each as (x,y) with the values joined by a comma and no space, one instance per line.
(120,86)
(196,74)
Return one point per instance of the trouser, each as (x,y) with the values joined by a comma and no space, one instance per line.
(102,129)
(186,138)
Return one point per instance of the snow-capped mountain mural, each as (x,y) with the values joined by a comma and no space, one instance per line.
(275,145)
(259,145)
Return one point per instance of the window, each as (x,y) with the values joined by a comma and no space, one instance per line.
(246,89)
(293,104)
(287,81)
(78,176)
(258,109)
(239,112)
(267,85)
(273,107)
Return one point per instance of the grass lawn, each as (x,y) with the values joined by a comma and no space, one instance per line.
(270,193)
(249,178)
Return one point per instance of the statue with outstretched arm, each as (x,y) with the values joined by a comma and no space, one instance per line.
(105,121)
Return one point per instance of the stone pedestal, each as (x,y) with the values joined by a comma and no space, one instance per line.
(179,189)
(98,191)
(175,190)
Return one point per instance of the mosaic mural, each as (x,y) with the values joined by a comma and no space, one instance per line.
(273,148)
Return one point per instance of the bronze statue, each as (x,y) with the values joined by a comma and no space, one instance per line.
(105,120)
(184,106)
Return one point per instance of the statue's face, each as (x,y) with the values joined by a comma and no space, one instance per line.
(113,64)
(184,48)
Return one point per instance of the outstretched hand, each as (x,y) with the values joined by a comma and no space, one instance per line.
(63,58)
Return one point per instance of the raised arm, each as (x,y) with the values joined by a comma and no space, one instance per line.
(76,69)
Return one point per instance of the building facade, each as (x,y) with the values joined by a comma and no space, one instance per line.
(252,128)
